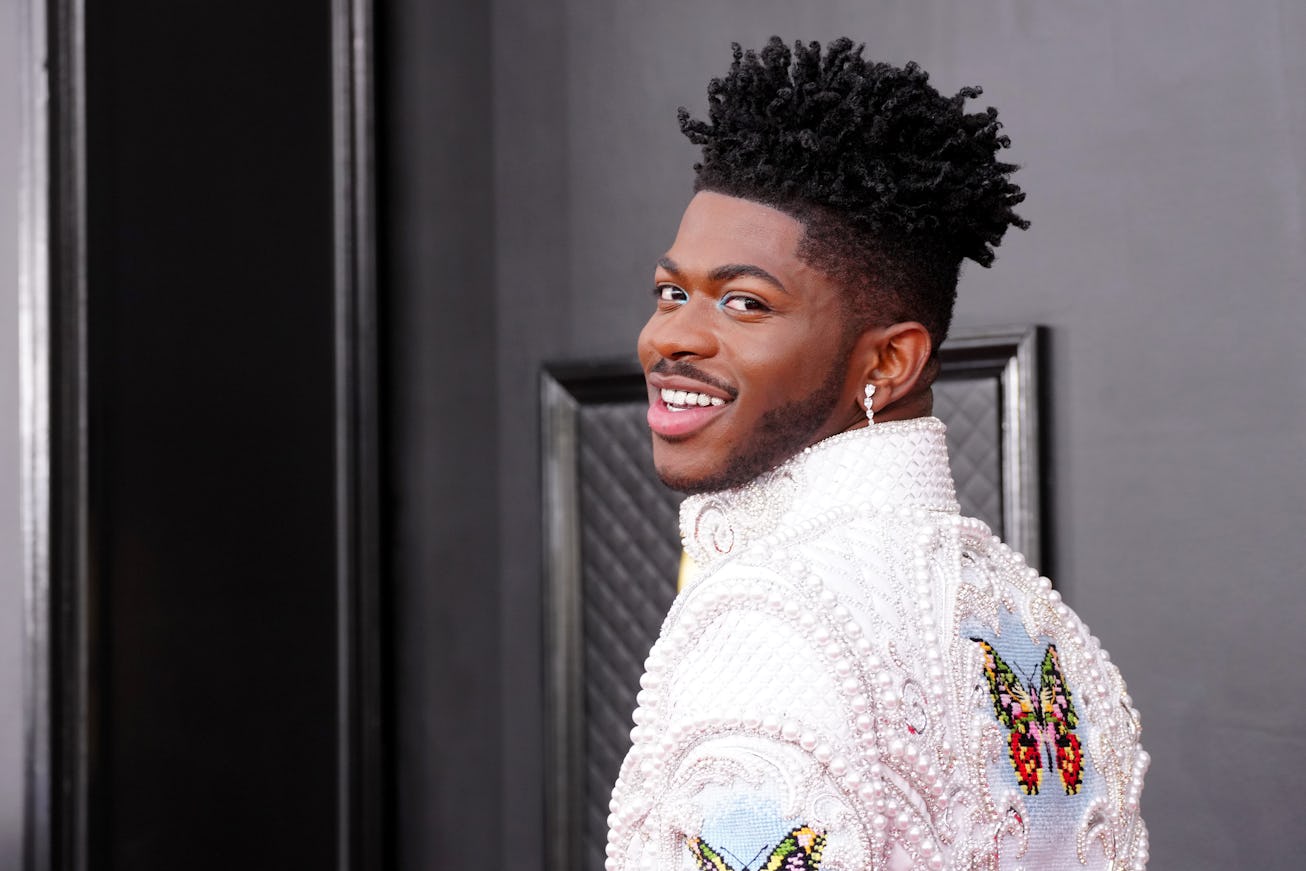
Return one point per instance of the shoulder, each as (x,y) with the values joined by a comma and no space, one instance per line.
(1055,719)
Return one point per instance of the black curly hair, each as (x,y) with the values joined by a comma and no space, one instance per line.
(894,183)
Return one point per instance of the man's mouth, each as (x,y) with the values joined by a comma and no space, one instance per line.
(676,414)
(684,400)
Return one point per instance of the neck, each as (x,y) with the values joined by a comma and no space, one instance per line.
(917,404)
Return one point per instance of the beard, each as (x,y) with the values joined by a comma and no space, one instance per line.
(780,433)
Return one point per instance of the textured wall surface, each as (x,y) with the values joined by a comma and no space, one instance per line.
(1162,153)
(11,556)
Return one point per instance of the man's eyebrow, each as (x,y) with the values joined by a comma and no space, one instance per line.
(728,271)
(737,270)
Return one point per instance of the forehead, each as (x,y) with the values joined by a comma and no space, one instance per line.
(717,229)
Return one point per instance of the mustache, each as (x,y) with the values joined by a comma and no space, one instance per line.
(689,370)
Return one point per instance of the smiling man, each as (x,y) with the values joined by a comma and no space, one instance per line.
(857,677)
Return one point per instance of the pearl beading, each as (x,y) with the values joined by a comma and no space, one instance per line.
(889,464)
(894,761)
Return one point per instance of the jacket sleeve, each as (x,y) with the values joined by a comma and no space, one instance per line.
(766,738)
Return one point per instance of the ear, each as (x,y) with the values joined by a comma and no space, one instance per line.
(894,359)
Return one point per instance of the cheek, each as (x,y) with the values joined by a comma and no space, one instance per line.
(786,368)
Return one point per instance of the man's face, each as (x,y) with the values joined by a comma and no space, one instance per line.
(754,335)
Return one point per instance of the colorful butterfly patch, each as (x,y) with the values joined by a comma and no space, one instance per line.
(800,850)
(1038,719)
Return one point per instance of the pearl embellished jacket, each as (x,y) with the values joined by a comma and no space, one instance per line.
(860,678)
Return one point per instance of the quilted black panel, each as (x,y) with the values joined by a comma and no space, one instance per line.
(971,407)
(630,557)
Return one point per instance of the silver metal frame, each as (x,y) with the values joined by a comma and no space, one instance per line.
(1016,351)
(52,288)
(1008,354)
(360,757)
(562,636)
(34,371)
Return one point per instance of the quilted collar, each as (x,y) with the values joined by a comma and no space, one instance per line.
(901,464)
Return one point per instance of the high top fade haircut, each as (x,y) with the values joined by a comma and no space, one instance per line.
(894,183)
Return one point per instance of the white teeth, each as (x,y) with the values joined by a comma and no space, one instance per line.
(688,399)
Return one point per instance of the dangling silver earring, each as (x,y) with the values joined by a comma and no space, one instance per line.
(870,408)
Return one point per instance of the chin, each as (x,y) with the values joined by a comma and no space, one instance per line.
(689,485)
(689,480)
(727,477)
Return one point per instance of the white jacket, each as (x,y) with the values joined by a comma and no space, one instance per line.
(859,678)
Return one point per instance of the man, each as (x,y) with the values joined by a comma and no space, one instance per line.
(857,678)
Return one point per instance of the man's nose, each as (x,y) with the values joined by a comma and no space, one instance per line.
(685,333)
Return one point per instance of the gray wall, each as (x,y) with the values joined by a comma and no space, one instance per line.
(11,560)
(1162,146)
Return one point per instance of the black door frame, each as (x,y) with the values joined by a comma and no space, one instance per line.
(60,588)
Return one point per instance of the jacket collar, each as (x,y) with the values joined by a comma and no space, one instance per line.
(888,466)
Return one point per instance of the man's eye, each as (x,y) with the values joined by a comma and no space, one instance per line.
(670,293)
(745,304)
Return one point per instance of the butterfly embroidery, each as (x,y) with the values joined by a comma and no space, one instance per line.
(800,850)
(1038,719)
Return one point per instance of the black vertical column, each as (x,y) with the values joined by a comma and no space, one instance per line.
(213,600)
(211,360)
